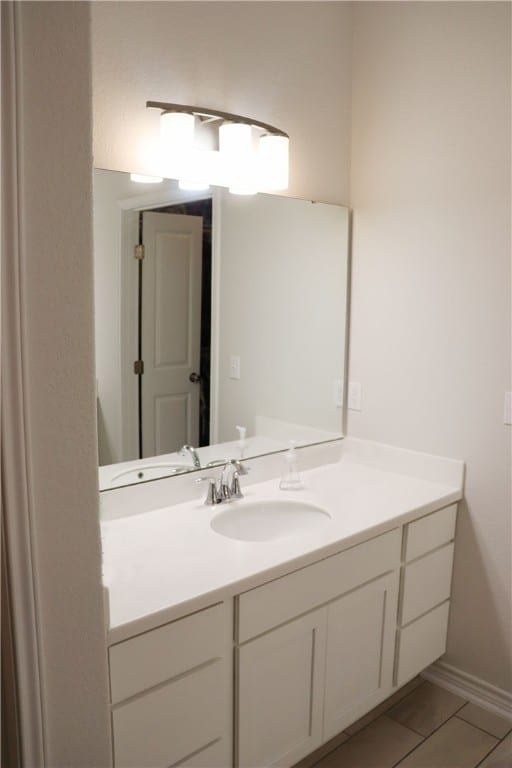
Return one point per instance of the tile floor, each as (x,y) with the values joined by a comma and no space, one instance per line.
(420,726)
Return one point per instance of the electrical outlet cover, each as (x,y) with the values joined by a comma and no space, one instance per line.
(355,395)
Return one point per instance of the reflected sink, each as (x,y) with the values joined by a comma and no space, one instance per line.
(148,472)
(268,520)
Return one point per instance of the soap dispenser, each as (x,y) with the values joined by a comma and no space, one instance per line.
(242,431)
(290,480)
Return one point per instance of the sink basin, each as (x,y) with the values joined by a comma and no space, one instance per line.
(268,520)
(148,472)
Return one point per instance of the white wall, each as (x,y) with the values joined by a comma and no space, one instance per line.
(55,206)
(283,283)
(285,63)
(430,321)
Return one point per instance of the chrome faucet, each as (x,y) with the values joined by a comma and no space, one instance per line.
(227,487)
(189,450)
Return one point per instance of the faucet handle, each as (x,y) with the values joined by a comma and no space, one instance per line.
(212,496)
(236,491)
(239,468)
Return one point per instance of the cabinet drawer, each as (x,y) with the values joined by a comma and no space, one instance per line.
(171,723)
(421,643)
(163,653)
(430,532)
(427,582)
(274,603)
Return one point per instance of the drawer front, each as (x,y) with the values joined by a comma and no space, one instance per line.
(163,653)
(421,643)
(427,582)
(279,601)
(430,532)
(171,723)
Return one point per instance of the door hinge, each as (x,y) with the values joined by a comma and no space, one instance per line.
(139,252)
(138,367)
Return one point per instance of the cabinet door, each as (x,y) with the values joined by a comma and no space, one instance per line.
(360,652)
(280,688)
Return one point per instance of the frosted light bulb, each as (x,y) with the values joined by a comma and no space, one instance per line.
(139,178)
(273,162)
(237,157)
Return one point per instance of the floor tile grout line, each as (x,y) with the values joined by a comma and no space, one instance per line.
(332,750)
(350,736)
(409,728)
(362,729)
(487,755)
(454,714)
(417,733)
(479,727)
(427,737)
(423,740)
(384,712)
(421,735)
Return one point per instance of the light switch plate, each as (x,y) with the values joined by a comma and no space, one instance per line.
(234,367)
(355,396)
(507,409)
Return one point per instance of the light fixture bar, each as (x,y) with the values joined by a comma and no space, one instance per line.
(215,114)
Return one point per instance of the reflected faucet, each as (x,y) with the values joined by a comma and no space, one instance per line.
(189,450)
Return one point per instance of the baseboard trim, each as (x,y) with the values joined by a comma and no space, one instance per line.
(470,687)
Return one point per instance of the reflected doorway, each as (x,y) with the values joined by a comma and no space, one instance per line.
(174,327)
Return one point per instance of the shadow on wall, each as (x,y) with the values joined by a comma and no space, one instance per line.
(105,454)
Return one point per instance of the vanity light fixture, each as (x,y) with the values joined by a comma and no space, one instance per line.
(251,156)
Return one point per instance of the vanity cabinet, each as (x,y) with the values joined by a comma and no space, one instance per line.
(302,682)
(263,680)
(170,693)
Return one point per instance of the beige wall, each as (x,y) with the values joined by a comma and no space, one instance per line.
(430,325)
(56,249)
(284,63)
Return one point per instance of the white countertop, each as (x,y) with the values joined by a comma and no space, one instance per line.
(164,563)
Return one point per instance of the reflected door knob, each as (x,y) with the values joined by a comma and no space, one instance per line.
(195,378)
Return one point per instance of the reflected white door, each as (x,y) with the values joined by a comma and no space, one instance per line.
(170,331)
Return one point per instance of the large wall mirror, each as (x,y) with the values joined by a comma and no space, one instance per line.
(220,325)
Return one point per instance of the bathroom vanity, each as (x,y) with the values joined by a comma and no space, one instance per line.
(229,651)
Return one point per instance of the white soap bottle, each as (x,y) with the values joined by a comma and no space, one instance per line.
(290,480)
(242,442)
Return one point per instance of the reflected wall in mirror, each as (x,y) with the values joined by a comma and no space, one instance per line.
(225,331)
